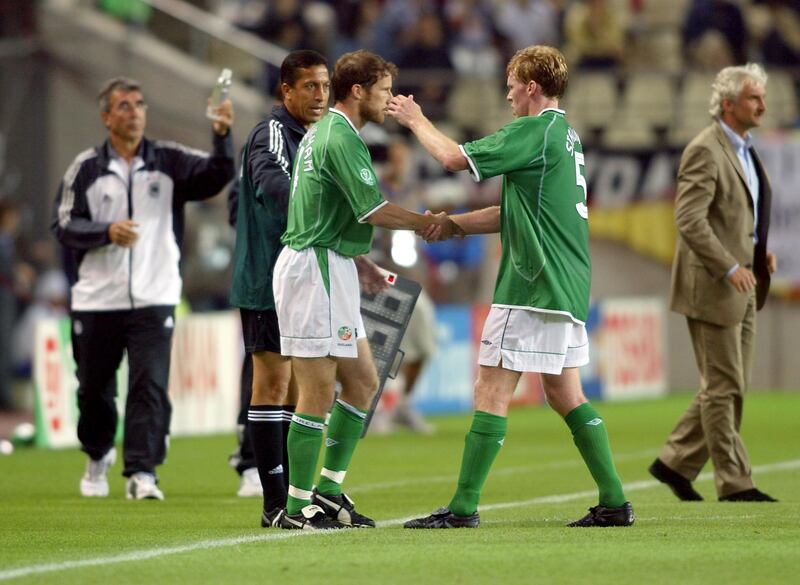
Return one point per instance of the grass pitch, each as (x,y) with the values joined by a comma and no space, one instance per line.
(203,533)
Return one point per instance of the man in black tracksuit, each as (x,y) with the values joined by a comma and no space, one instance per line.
(261,211)
(119,208)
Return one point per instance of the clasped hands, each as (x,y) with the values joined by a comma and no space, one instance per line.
(442,228)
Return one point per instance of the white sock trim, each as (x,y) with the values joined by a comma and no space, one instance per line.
(308,423)
(299,494)
(264,416)
(351,408)
(337,476)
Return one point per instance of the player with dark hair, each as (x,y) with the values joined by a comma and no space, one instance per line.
(261,209)
(541,299)
(335,201)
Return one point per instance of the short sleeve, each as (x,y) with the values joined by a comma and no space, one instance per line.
(350,168)
(515,146)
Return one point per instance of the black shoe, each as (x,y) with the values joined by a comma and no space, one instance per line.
(309,518)
(604,517)
(341,509)
(272,518)
(751,495)
(679,485)
(444,518)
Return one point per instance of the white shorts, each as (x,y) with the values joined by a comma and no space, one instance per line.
(532,341)
(312,322)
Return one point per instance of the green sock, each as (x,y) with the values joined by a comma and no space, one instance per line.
(344,430)
(481,446)
(303,444)
(591,438)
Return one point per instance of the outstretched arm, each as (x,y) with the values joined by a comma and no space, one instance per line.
(482,221)
(394,217)
(408,113)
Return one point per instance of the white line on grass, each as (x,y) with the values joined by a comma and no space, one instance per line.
(142,555)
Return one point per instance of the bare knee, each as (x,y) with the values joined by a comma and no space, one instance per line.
(359,391)
(563,391)
(271,374)
(494,389)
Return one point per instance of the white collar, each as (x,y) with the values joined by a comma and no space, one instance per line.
(343,115)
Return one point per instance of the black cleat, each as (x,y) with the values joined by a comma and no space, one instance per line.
(751,495)
(342,510)
(309,518)
(444,518)
(679,485)
(603,517)
(272,518)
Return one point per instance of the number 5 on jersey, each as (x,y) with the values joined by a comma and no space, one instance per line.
(580,180)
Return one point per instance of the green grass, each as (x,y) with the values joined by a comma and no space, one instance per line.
(43,520)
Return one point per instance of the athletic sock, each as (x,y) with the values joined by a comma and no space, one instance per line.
(590,436)
(481,446)
(303,444)
(288,412)
(265,425)
(344,431)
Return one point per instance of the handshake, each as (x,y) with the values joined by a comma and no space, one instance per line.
(442,228)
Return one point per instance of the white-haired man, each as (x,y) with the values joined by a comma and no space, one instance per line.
(720,278)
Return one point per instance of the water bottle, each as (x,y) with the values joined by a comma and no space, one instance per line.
(220,92)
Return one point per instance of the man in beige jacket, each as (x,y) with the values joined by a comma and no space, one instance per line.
(720,278)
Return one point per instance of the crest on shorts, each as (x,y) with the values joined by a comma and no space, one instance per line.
(345,333)
(367,177)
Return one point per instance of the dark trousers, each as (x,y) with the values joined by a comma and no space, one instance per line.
(247,458)
(98,341)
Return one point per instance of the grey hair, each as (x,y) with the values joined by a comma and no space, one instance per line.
(731,81)
(112,85)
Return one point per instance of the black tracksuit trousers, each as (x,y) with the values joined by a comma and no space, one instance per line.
(98,341)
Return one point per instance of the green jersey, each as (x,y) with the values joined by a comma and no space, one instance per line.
(544,263)
(334,190)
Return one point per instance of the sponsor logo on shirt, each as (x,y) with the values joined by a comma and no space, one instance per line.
(367,177)
(345,333)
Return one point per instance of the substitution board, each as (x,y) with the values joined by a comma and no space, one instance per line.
(386,316)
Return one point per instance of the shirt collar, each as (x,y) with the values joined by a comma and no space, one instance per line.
(737,141)
(284,116)
(343,115)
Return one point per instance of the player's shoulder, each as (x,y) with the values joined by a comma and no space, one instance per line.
(340,131)
(268,128)
(85,163)
(90,154)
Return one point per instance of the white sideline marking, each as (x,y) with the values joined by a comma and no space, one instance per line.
(225,542)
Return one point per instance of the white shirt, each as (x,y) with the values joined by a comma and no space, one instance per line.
(741,147)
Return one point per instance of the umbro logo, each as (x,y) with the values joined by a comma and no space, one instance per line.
(501,441)
(595,421)
(486,342)
(331,442)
